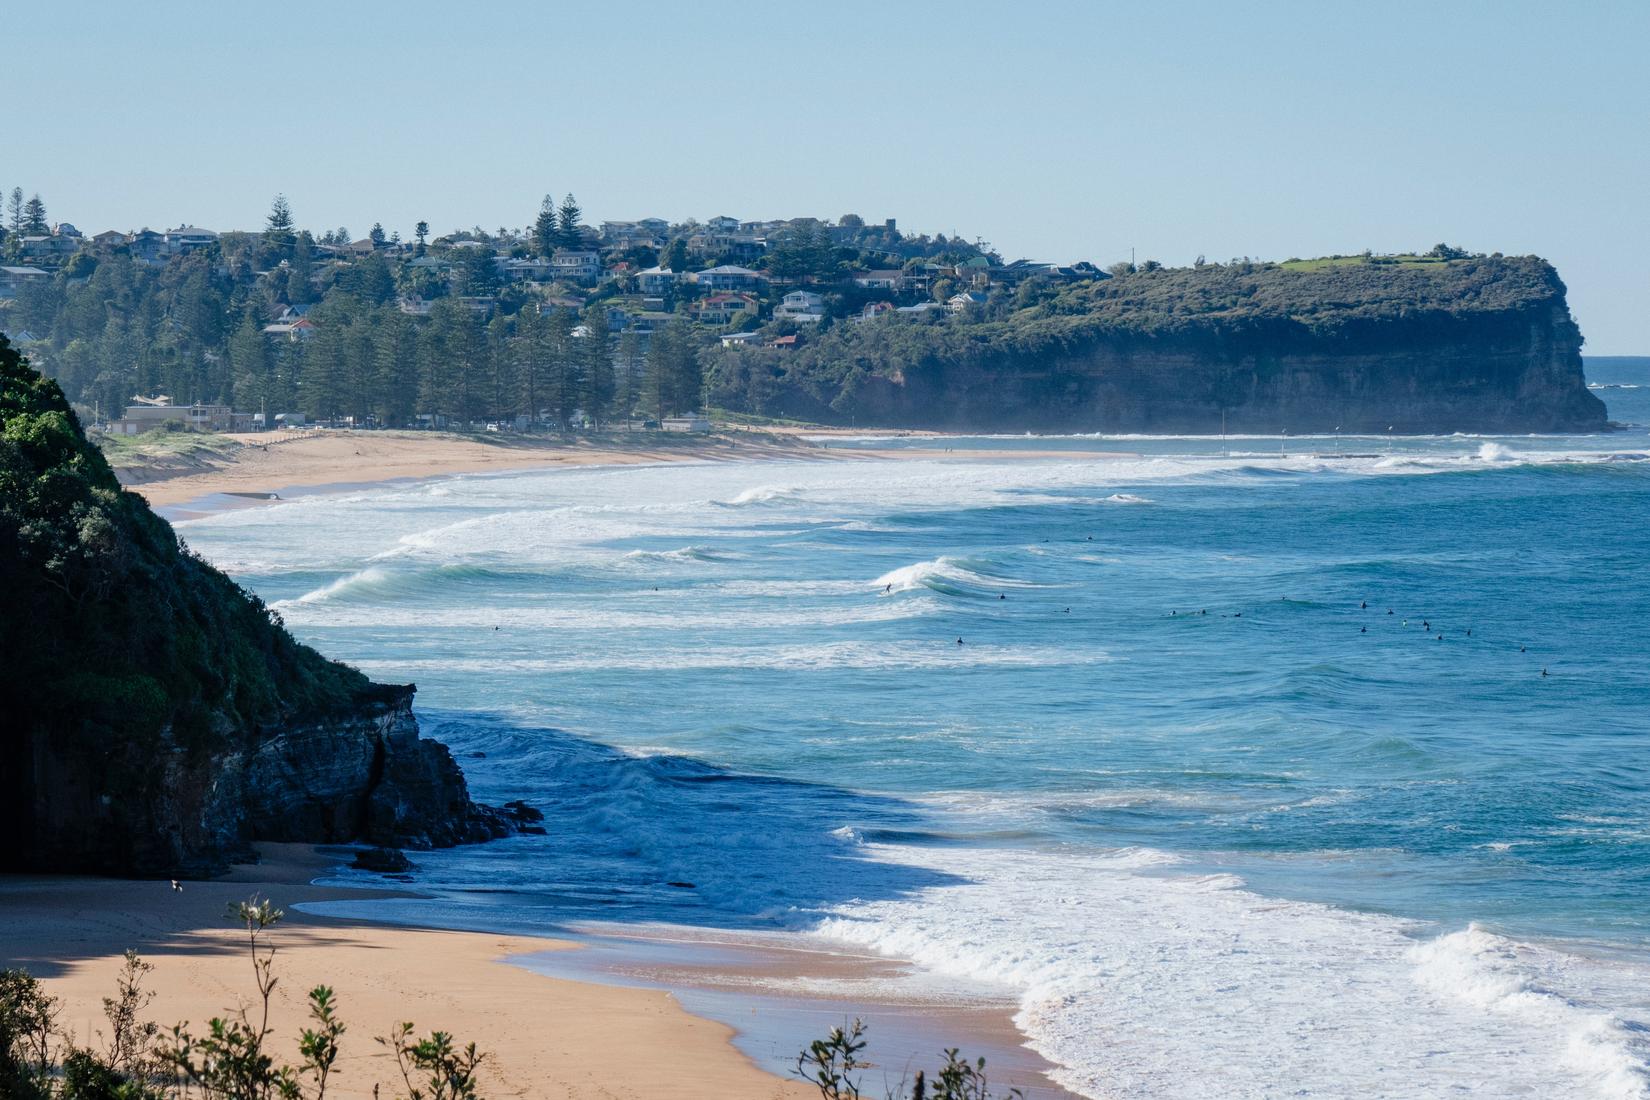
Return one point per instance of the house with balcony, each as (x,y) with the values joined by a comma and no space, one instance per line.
(803,306)
(49,249)
(656,282)
(576,265)
(724,308)
(730,277)
(188,238)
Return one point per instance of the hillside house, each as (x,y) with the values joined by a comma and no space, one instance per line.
(188,238)
(656,282)
(730,277)
(292,331)
(891,280)
(49,249)
(576,265)
(803,306)
(961,301)
(13,279)
(724,307)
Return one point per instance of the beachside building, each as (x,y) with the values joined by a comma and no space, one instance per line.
(154,412)
(692,422)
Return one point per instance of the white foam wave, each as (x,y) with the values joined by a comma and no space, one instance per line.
(1141,981)
(681,554)
(945,574)
(873,656)
(372,575)
(1126,498)
(764,494)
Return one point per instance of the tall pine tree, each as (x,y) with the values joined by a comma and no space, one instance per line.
(546,231)
(567,223)
(34,218)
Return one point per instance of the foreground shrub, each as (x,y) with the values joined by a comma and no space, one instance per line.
(229,1061)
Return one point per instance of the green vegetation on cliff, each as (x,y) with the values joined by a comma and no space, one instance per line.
(110,627)
(158,717)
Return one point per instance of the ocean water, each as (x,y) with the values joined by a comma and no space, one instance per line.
(1253,767)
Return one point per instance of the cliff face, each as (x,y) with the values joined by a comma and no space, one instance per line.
(155,717)
(366,775)
(1483,344)
(1518,373)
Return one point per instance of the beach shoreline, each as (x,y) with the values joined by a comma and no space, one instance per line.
(545,1036)
(550,1029)
(262,468)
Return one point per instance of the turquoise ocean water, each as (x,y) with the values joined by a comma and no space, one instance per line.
(1222,828)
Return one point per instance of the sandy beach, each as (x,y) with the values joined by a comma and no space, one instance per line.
(277,462)
(546,1036)
(259,465)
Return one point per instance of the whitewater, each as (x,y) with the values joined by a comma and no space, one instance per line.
(1183,741)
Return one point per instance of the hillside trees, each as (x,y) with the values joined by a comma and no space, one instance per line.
(34,218)
(567,223)
(546,229)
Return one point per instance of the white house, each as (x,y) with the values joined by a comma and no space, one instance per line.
(576,264)
(881,280)
(690,423)
(730,277)
(959,302)
(656,282)
(801,305)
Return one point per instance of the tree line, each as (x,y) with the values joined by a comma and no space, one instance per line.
(195,331)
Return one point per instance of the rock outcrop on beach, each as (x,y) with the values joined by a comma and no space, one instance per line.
(156,718)
(1417,345)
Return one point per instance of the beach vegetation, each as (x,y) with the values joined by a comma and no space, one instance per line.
(832,1063)
(230,1060)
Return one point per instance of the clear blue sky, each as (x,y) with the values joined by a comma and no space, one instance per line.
(1059,131)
